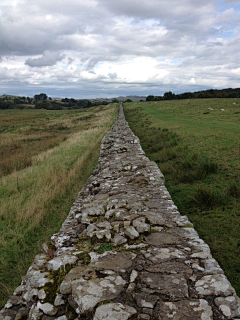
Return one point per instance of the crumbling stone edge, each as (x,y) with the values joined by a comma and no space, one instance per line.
(124,251)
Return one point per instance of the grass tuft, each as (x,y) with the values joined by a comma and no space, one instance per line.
(206,198)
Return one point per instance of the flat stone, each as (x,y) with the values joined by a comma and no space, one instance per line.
(230,306)
(145,301)
(102,196)
(156,229)
(216,285)
(131,288)
(140,225)
(212,267)
(59,300)
(73,275)
(133,275)
(201,249)
(172,286)
(39,261)
(41,294)
(162,239)
(103,233)
(159,255)
(118,240)
(15,300)
(116,262)
(19,290)
(95,211)
(28,296)
(87,294)
(184,233)
(60,261)
(155,218)
(104,225)
(35,313)
(185,310)
(131,232)
(8,305)
(114,311)
(126,224)
(47,308)
(90,230)
(116,225)
(172,267)
(62,318)
(39,279)
(182,221)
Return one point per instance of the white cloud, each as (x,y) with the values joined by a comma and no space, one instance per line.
(107,45)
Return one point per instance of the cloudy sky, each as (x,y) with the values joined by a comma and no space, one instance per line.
(106,48)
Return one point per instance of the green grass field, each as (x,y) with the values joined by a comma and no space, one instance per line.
(45,159)
(198,152)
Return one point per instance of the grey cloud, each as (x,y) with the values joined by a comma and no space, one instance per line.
(92,62)
(70,60)
(48,59)
(112,76)
(162,10)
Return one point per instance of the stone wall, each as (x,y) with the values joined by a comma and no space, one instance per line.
(124,251)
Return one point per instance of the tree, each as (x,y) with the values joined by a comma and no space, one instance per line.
(158,98)
(150,98)
(41,96)
(169,95)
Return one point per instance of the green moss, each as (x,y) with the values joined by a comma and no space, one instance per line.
(107,301)
(52,288)
(84,256)
(188,225)
(105,247)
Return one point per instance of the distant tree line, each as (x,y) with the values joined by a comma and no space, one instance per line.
(211,93)
(117,101)
(42,101)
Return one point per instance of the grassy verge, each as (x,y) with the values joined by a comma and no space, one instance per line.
(26,133)
(34,201)
(198,152)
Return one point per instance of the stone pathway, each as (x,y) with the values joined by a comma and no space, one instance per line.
(124,251)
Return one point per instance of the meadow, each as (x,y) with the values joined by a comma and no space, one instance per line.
(46,156)
(198,152)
